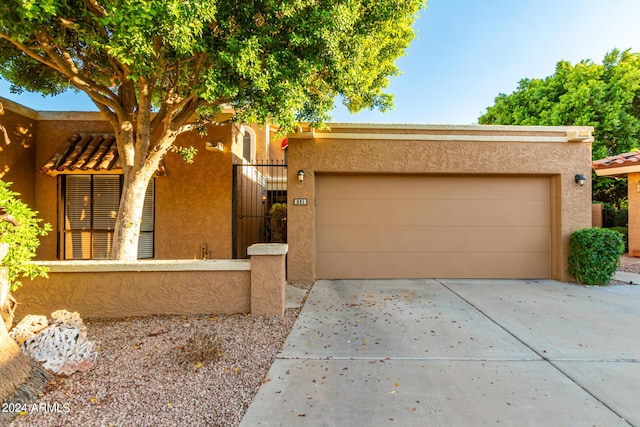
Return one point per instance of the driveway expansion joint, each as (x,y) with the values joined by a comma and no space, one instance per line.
(548,360)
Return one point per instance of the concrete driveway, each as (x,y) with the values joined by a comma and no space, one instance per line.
(457,353)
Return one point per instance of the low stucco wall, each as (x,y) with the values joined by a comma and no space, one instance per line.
(115,289)
(148,287)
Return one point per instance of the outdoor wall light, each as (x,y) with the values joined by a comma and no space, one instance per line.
(300,175)
(580,179)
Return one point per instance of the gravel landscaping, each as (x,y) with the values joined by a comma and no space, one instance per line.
(173,370)
(166,371)
(630,265)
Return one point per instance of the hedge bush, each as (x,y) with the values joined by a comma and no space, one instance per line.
(625,235)
(594,255)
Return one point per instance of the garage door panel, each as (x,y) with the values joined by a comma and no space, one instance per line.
(377,226)
(348,239)
(394,212)
(352,187)
(410,265)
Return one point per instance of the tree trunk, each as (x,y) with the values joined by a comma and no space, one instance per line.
(7,302)
(14,366)
(127,227)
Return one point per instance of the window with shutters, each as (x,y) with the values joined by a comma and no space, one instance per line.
(90,209)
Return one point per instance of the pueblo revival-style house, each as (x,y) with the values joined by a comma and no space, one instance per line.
(354,201)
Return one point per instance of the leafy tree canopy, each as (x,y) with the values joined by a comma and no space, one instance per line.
(605,96)
(279,61)
(276,61)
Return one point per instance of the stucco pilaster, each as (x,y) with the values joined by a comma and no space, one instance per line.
(268,278)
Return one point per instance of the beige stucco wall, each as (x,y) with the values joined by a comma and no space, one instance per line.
(193,202)
(596,215)
(460,150)
(17,154)
(148,287)
(268,278)
(267,143)
(118,289)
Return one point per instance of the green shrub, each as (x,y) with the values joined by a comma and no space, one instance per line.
(625,235)
(278,222)
(22,240)
(594,255)
(613,216)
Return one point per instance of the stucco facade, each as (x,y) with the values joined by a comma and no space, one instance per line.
(193,202)
(19,150)
(558,153)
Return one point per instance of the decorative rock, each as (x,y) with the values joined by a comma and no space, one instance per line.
(68,318)
(62,347)
(157,331)
(28,327)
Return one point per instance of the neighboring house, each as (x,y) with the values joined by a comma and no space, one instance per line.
(626,166)
(66,166)
(364,201)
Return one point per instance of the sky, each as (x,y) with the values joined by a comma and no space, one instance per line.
(467,52)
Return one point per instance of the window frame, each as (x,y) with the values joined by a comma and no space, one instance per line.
(249,141)
(65,232)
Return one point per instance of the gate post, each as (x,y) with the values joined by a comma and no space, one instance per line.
(268,278)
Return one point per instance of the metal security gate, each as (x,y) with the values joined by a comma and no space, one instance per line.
(259,205)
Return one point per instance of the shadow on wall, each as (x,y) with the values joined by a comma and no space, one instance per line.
(16,133)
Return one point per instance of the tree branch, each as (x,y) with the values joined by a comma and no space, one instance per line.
(95,7)
(143,135)
(61,61)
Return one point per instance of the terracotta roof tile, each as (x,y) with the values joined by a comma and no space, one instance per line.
(87,153)
(621,160)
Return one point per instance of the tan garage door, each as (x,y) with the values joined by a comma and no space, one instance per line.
(402,226)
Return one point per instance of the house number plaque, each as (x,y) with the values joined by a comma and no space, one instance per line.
(299,202)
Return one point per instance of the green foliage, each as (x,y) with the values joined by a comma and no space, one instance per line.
(605,96)
(280,62)
(187,153)
(594,255)
(624,231)
(186,60)
(22,240)
(615,217)
(278,222)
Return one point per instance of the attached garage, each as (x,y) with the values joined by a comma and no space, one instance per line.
(403,226)
(413,201)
